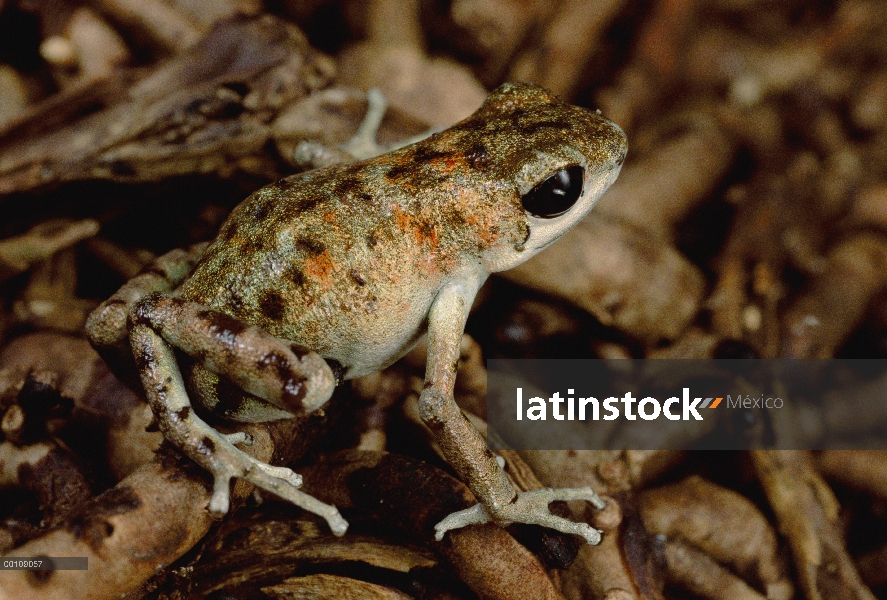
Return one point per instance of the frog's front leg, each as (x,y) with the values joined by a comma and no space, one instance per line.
(463,446)
(255,361)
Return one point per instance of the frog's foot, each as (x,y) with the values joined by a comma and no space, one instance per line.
(165,391)
(531,508)
(280,481)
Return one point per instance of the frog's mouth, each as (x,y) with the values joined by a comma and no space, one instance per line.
(547,244)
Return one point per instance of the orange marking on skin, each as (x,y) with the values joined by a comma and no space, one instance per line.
(715,403)
(422,233)
(320,267)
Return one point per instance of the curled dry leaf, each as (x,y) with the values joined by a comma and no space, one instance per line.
(697,572)
(264,547)
(807,512)
(607,570)
(101,402)
(146,522)
(724,526)
(216,120)
(331,586)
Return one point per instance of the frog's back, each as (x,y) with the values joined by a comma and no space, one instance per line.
(329,260)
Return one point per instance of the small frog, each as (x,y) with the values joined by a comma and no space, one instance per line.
(337,272)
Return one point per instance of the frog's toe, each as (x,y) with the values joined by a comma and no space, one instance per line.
(294,479)
(238,437)
(531,508)
(282,482)
(220,502)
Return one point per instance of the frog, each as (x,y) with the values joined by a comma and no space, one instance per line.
(337,272)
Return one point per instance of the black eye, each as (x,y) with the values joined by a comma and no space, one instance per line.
(556,195)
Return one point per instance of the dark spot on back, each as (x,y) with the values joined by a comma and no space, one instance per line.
(398,171)
(250,246)
(352,171)
(272,305)
(366,197)
(347,187)
(426,153)
(143,359)
(310,246)
(294,274)
(261,211)
(532,128)
(372,239)
(183,413)
(357,277)
(229,230)
(426,228)
(478,157)
(307,203)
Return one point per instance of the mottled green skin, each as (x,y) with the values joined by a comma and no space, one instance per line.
(347,260)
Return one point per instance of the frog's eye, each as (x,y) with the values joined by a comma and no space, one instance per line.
(556,195)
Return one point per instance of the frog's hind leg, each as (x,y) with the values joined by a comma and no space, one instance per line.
(279,372)
(210,449)
(106,326)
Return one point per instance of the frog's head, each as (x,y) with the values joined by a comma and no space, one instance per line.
(550,163)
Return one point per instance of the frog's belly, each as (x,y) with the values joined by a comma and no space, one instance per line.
(363,333)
